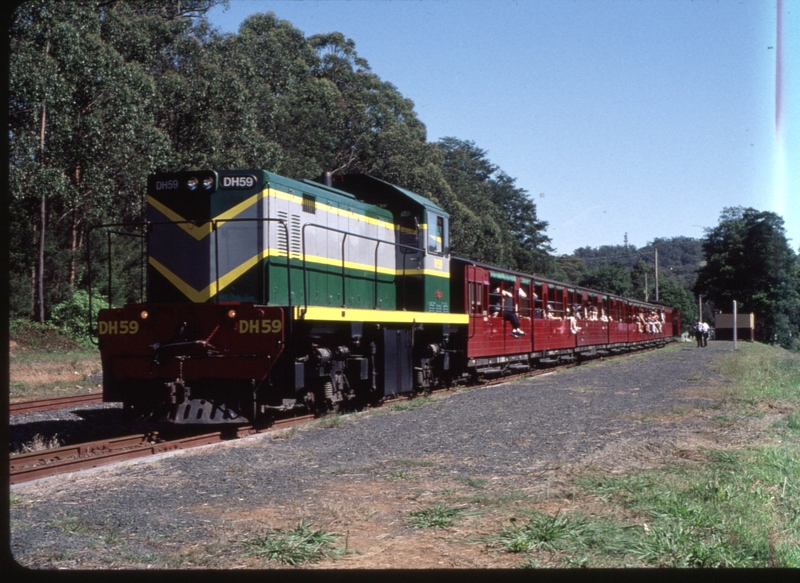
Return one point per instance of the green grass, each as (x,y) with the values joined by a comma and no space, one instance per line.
(477,483)
(71,524)
(439,516)
(294,546)
(400,475)
(411,404)
(330,421)
(737,508)
(542,531)
(763,372)
(742,509)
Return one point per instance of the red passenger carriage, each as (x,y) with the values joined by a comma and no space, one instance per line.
(554,322)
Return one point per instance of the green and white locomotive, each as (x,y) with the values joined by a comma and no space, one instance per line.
(266,293)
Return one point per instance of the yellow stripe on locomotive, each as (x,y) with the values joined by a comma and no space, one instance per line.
(276,241)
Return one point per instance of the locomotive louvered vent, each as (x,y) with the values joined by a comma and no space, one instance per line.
(295,244)
(283,244)
(309,204)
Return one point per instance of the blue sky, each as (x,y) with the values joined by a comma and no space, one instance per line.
(642,117)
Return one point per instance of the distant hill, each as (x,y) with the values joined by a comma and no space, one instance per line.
(679,258)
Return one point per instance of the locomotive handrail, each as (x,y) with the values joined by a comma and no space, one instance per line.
(109,232)
(146,226)
(281,222)
(344,279)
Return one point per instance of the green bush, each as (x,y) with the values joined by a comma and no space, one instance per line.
(72,316)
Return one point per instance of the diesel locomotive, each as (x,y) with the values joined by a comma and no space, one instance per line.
(266,294)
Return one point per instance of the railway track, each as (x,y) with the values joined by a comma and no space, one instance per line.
(53,403)
(26,467)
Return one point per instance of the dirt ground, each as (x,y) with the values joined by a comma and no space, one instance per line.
(33,374)
(362,480)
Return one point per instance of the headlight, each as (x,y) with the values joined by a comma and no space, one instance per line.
(208,183)
(192,183)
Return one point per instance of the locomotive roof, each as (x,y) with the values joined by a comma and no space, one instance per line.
(380,193)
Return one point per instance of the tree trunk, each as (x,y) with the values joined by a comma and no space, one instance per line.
(42,226)
(43,215)
(74,252)
(40,274)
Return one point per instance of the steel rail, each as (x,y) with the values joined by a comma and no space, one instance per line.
(27,467)
(53,403)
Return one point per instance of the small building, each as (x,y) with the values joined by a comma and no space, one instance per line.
(745,327)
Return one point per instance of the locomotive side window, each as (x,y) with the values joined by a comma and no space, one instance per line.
(436,234)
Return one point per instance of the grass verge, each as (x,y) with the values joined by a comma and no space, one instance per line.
(295,546)
(735,508)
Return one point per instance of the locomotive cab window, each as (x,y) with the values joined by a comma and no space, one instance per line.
(436,234)
(409,230)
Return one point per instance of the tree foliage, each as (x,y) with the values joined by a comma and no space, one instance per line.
(104,92)
(748,259)
(496,221)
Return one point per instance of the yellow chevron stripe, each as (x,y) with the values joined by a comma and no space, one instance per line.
(362,315)
(205,229)
(211,289)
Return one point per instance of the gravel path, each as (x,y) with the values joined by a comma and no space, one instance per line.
(521,434)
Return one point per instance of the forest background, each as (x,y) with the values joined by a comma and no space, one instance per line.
(102,93)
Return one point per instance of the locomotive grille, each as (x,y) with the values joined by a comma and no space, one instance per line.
(295,246)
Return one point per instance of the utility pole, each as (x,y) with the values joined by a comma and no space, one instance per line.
(656,274)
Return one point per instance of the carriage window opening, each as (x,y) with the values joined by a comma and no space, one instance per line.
(309,204)
(495,297)
(538,300)
(555,302)
(525,299)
